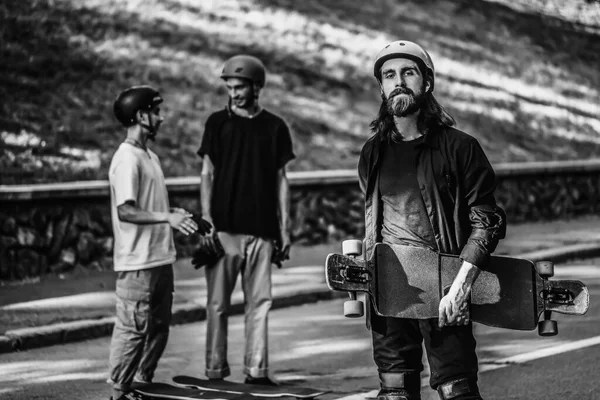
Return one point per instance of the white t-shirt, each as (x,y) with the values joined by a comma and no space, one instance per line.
(135,174)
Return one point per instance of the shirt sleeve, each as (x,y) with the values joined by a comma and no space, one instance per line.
(488,220)
(125,181)
(285,152)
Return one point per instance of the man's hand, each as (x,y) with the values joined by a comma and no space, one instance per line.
(205,227)
(202,226)
(286,245)
(281,250)
(180,211)
(454,309)
(454,306)
(209,223)
(182,220)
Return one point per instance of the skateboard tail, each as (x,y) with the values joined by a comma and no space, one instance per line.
(347,274)
(565,297)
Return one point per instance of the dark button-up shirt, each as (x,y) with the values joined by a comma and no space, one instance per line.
(457,183)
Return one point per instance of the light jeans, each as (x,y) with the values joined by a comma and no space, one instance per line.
(250,256)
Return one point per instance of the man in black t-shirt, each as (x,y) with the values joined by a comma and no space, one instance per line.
(245,195)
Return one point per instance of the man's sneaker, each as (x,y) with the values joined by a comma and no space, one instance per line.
(393,394)
(265,381)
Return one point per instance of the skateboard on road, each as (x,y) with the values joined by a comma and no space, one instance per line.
(152,391)
(409,282)
(223,386)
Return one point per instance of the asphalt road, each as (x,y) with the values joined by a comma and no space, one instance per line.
(315,345)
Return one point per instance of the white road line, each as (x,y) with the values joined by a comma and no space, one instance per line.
(541,353)
(505,362)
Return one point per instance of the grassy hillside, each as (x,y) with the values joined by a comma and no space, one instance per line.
(522,76)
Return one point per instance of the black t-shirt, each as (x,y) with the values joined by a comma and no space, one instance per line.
(247,154)
(405,218)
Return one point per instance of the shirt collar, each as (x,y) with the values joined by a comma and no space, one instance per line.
(431,138)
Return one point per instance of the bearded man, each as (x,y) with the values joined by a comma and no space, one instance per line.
(429,185)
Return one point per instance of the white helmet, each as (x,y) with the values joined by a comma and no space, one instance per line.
(404,49)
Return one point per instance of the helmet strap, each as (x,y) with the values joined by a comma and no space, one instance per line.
(150,127)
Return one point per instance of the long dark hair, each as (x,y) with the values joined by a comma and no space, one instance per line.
(432,115)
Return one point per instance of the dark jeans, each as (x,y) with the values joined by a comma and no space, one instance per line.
(397,347)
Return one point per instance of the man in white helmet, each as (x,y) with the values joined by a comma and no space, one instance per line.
(144,250)
(245,194)
(429,185)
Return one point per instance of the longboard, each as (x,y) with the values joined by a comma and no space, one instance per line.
(254,390)
(409,282)
(160,390)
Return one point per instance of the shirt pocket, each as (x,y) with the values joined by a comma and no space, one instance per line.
(133,315)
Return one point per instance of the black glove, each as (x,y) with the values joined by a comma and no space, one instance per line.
(203,225)
(209,251)
(279,254)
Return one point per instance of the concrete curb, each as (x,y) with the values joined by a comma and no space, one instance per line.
(67,332)
(64,332)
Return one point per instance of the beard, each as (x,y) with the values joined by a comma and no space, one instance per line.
(403,102)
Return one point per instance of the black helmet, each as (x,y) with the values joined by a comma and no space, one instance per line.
(134,99)
(246,67)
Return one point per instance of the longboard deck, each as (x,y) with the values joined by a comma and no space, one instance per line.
(409,282)
(160,390)
(242,388)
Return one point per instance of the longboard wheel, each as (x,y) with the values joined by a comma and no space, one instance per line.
(545,268)
(354,309)
(547,327)
(352,247)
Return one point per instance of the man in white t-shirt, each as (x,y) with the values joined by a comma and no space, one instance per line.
(144,250)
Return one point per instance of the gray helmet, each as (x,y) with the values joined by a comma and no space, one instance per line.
(134,99)
(405,49)
(245,67)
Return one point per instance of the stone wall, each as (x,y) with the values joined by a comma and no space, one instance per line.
(549,197)
(51,237)
(51,229)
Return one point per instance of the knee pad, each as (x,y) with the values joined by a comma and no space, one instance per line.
(459,389)
(401,384)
